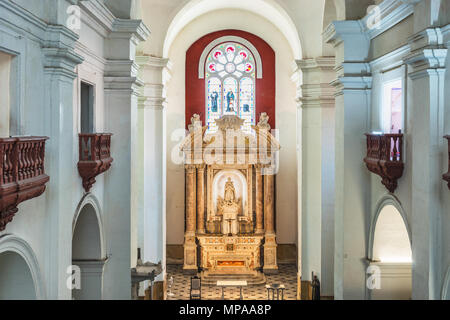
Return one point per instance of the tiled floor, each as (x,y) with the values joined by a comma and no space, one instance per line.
(287,275)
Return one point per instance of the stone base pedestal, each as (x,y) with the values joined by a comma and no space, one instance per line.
(190,255)
(270,254)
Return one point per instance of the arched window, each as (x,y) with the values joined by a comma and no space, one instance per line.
(230,84)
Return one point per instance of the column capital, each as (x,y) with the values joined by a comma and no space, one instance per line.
(121,76)
(59,54)
(315,89)
(201,166)
(190,167)
(151,71)
(428,53)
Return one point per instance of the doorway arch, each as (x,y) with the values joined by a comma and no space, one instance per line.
(88,250)
(20,276)
(390,251)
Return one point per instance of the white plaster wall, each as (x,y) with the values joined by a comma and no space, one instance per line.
(5,69)
(394,282)
(49,231)
(285,117)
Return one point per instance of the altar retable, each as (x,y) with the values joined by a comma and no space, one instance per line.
(230,200)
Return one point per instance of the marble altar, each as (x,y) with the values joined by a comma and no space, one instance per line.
(230,200)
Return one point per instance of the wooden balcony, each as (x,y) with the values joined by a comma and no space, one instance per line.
(446,176)
(95,157)
(22,174)
(385,158)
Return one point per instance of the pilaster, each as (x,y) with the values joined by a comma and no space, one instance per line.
(152,160)
(316,105)
(122,86)
(426,69)
(353,89)
(59,61)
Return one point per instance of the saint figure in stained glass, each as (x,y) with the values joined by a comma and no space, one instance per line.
(230,101)
(214,97)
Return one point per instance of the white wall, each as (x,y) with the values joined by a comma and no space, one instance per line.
(5,68)
(45,101)
(285,116)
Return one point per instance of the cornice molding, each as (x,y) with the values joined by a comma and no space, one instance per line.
(322,63)
(391,13)
(337,31)
(35,25)
(151,62)
(352,83)
(428,52)
(390,60)
(112,26)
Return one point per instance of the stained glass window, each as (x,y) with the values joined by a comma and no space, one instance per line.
(230,84)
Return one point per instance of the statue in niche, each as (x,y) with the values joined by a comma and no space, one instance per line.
(229,208)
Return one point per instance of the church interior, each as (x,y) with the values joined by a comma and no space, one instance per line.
(224,150)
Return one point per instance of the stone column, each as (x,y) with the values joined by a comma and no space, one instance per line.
(200,198)
(426,94)
(190,246)
(121,105)
(152,162)
(353,91)
(270,245)
(259,201)
(269,204)
(316,153)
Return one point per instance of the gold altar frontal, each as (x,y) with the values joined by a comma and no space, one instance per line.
(238,257)
(230,200)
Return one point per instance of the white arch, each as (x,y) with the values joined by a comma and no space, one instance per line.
(216,42)
(269,9)
(12,243)
(383,202)
(90,199)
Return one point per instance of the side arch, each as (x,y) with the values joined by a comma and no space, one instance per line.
(383,202)
(15,244)
(90,199)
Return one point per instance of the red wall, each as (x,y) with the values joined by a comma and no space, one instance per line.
(195,87)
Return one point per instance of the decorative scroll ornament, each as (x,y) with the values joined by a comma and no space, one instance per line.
(229,122)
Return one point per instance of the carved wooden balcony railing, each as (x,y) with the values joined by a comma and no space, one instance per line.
(447,175)
(22,175)
(95,157)
(385,158)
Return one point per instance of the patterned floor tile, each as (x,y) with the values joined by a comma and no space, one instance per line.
(287,275)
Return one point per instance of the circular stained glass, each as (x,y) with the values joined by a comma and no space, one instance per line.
(230,67)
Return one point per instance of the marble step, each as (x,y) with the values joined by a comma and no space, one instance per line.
(252,279)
